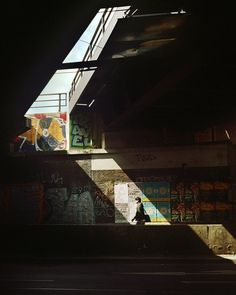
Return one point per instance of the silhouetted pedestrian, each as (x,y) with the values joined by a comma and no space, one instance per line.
(139,215)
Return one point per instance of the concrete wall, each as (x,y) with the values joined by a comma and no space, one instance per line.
(79,188)
(162,157)
(99,240)
(83,183)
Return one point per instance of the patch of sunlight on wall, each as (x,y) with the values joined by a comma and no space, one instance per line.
(214,236)
(157,210)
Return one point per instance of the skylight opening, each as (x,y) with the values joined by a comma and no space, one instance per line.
(78,51)
(88,47)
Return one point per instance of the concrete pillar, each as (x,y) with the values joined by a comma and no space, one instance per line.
(232,167)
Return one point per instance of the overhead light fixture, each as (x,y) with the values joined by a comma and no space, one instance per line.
(134,11)
(227,134)
(91,103)
(178,12)
(82,104)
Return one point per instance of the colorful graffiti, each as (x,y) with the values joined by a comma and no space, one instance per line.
(200,201)
(155,197)
(80,131)
(176,202)
(47,133)
(54,202)
(32,203)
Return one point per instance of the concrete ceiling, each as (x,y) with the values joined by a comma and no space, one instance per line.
(37,36)
(176,71)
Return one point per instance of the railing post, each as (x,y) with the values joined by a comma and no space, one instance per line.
(59,102)
(103,24)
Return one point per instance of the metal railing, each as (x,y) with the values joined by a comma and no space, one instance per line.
(100,30)
(60,100)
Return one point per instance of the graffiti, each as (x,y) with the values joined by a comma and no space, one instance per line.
(69,207)
(154,178)
(81,132)
(56,178)
(100,203)
(105,212)
(145,157)
(106,190)
(47,133)
(85,208)
(99,195)
(79,189)
(55,199)
(102,208)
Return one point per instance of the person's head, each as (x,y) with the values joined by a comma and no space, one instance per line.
(138,200)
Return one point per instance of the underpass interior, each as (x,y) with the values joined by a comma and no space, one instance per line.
(169,89)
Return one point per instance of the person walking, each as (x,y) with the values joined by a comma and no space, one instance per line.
(139,215)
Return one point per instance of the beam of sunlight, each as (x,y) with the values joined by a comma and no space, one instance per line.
(154,195)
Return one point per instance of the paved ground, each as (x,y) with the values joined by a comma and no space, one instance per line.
(123,275)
